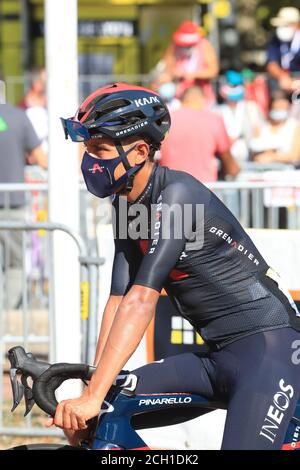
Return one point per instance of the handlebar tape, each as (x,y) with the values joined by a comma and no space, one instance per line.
(44,386)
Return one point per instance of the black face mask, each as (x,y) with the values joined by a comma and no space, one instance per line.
(99,174)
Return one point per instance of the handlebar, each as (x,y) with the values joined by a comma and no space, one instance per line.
(44,387)
(46,379)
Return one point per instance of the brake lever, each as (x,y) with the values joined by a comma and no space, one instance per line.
(28,395)
(19,361)
(17,388)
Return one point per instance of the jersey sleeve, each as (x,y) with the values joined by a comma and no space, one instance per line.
(172,224)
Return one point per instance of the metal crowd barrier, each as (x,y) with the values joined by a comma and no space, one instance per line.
(254,205)
(89,309)
(35,205)
(246,199)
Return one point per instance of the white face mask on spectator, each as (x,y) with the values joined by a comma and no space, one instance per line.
(279,115)
(167,91)
(285,33)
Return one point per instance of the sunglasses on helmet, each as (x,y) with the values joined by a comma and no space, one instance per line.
(75,130)
(79,132)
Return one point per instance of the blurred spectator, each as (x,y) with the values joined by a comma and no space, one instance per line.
(197,135)
(283,52)
(243,118)
(36,95)
(256,89)
(18,144)
(39,119)
(164,86)
(279,140)
(191,60)
(34,103)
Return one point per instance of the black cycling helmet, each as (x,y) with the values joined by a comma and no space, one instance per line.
(118,111)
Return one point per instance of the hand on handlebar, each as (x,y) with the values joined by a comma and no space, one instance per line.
(73,414)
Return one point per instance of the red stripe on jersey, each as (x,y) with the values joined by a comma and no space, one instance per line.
(176,275)
(144,245)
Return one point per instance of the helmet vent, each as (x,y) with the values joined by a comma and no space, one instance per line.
(112,105)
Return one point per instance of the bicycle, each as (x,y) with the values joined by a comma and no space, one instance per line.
(122,413)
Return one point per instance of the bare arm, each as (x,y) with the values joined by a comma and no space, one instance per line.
(285,81)
(211,69)
(74,437)
(294,153)
(292,156)
(38,157)
(169,62)
(230,166)
(107,321)
(275,70)
(130,323)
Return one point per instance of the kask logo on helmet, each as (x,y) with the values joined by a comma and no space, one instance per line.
(144,101)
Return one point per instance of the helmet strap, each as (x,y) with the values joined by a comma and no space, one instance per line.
(123,154)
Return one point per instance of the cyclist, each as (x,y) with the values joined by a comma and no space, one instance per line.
(208,265)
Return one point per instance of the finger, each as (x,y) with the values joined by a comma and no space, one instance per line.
(66,417)
(49,422)
(81,422)
(74,424)
(58,418)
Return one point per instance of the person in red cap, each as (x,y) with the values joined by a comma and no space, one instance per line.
(191,60)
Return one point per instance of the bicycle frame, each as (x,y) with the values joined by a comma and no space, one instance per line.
(121,418)
(123,412)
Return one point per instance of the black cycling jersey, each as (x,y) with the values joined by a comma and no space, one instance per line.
(200,254)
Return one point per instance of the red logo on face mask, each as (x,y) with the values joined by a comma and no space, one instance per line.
(96,167)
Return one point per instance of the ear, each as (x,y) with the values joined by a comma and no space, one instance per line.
(142,151)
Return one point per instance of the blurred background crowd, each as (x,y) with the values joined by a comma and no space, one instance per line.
(230,73)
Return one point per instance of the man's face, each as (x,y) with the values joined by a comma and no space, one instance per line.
(104,149)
